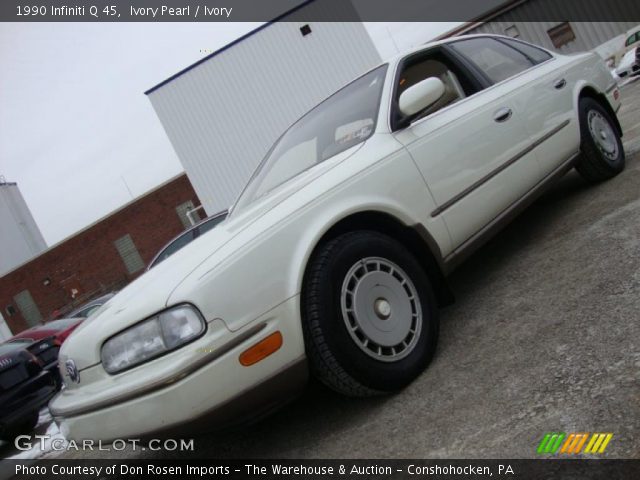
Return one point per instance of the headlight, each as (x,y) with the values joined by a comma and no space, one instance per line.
(151,338)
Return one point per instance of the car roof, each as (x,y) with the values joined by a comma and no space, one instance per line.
(60,323)
(96,301)
(13,346)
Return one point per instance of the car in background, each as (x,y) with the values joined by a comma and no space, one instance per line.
(631,41)
(630,64)
(187,237)
(44,341)
(59,329)
(46,349)
(86,309)
(25,387)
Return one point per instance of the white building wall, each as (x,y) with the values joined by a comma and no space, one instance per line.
(20,238)
(223,115)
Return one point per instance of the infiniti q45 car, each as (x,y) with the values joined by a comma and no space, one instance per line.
(333,261)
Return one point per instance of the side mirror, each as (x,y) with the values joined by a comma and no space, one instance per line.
(420,96)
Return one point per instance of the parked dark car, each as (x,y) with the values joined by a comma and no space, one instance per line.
(25,387)
(45,350)
(44,342)
(187,237)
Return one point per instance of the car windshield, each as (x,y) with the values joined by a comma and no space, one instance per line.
(342,121)
(13,345)
(61,324)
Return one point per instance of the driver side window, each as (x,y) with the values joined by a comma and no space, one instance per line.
(457,85)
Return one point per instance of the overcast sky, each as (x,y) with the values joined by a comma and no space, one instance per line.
(76,131)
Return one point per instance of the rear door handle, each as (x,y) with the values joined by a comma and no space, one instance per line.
(559,84)
(502,115)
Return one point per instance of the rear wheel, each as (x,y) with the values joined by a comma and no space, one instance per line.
(369,315)
(602,153)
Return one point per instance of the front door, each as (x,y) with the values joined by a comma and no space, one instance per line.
(474,149)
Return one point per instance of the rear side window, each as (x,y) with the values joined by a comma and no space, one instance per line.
(209,224)
(87,311)
(535,54)
(173,247)
(497,60)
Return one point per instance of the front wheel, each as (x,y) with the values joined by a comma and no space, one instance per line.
(602,153)
(369,315)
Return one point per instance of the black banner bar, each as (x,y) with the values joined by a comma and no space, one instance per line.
(312,469)
(313,10)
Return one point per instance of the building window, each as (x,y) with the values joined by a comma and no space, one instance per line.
(561,34)
(305,30)
(183,212)
(512,31)
(28,308)
(496,59)
(129,254)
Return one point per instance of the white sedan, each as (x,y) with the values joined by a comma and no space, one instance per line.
(630,64)
(334,259)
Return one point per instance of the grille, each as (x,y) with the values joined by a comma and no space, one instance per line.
(48,355)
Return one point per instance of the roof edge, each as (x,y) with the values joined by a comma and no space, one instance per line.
(228,46)
(507,6)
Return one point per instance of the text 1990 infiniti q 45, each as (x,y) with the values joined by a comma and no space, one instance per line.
(333,259)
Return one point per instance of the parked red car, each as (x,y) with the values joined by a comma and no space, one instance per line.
(58,329)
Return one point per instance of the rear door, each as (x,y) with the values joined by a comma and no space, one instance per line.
(548,107)
(474,152)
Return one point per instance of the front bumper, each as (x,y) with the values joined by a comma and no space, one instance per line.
(17,406)
(220,389)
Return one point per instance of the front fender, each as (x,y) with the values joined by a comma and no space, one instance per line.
(264,266)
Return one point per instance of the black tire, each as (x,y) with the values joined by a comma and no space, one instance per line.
(596,163)
(26,426)
(334,355)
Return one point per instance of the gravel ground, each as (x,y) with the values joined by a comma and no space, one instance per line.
(543,337)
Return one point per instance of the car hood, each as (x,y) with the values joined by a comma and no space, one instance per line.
(150,293)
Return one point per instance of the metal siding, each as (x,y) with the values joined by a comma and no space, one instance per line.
(223,115)
(589,35)
(20,237)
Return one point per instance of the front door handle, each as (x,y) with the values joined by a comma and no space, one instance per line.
(502,115)
(559,84)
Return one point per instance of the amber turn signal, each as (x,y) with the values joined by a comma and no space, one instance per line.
(261,350)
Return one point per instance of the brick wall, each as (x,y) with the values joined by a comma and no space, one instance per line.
(89,262)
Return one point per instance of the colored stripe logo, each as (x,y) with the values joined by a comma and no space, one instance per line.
(573,443)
